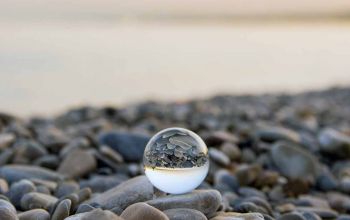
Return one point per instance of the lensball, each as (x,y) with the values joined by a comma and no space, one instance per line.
(176,160)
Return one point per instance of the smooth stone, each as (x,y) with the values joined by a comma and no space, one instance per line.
(74,198)
(77,164)
(238,216)
(266,178)
(66,188)
(343,217)
(205,201)
(335,143)
(285,208)
(48,161)
(27,151)
(338,201)
(35,200)
(84,208)
(62,210)
(6,139)
(130,146)
(143,211)
(74,144)
(96,214)
(180,214)
(101,183)
(311,216)
(4,186)
(219,157)
(292,216)
(249,192)
(7,210)
(34,214)
(14,173)
(272,134)
(322,212)
(248,156)
(294,162)
(219,137)
(247,174)
(134,190)
(18,190)
(84,194)
(308,200)
(231,150)
(51,185)
(224,181)
(43,189)
(326,182)
(6,156)
(345,185)
(111,154)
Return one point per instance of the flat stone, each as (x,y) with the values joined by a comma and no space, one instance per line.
(231,150)
(292,216)
(77,164)
(205,201)
(130,146)
(180,214)
(7,210)
(34,214)
(101,183)
(335,143)
(35,200)
(238,216)
(62,210)
(219,157)
(322,212)
(18,190)
(143,211)
(272,134)
(137,189)
(224,181)
(294,162)
(14,173)
(94,215)
(4,187)
(65,188)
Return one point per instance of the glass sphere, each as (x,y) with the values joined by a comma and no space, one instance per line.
(176,160)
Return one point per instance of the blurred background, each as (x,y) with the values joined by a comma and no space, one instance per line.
(56,54)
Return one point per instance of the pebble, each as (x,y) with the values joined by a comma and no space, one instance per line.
(247,174)
(35,200)
(137,189)
(18,190)
(6,139)
(292,216)
(205,201)
(34,214)
(219,157)
(238,216)
(101,183)
(77,164)
(322,212)
(62,210)
(182,213)
(94,215)
(130,146)
(231,150)
(14,173)
(334,143)
(7,210)
(4,187)
(143,211)
(224,181)
(294,162)
(311,216)
(66,187)
(273,134)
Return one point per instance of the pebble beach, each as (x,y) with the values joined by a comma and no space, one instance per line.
(272,156)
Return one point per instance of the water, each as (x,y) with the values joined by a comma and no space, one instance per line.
(47,67)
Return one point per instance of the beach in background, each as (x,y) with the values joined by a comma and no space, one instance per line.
(57,54)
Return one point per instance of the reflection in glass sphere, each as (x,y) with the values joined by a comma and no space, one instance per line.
(176,160)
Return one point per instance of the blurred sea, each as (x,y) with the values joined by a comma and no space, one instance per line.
(46,66)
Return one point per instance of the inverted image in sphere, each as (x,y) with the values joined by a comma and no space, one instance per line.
(176,160)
